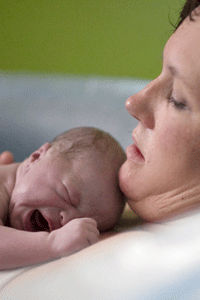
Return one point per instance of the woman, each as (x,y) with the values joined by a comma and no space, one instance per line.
(161,176)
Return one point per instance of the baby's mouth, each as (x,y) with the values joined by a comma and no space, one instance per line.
(38,222)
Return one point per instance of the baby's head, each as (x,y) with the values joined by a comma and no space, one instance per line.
(75,175)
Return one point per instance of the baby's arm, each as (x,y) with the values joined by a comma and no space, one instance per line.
(22,248)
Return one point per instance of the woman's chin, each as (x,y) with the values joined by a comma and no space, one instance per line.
(127,181)
(123,182)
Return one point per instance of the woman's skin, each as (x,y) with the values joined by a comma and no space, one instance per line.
(161,176)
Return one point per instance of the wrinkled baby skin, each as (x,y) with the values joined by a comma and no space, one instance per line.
(54,206)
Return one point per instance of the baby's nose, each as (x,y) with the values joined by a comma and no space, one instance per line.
(64,218)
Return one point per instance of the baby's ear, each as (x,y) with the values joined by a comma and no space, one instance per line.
(40,152)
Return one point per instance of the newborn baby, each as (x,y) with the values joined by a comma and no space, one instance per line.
(55,202)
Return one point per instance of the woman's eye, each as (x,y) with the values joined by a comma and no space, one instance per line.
(178,105)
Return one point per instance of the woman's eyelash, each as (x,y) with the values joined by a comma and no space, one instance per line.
(178,105)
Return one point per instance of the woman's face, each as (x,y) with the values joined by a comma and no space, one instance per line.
(161,175)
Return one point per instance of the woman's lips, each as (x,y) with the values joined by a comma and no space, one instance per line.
(133,153)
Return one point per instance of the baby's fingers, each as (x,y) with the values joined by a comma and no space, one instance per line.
(93,232)
(6,157)
(92,226)
(92,238)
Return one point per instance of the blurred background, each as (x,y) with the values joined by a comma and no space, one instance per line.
(73,63)
(123,38)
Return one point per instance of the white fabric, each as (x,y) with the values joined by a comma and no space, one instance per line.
(159,261)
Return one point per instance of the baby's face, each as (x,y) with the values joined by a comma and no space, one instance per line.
(52,190)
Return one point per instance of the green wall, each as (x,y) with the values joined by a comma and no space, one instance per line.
(104,37)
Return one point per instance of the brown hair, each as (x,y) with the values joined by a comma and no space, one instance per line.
(187,10)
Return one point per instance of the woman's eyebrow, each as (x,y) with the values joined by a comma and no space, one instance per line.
(173,70)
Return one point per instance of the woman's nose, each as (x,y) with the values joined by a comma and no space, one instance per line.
(141,105)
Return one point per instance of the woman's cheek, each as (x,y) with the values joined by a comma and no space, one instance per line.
(172,140)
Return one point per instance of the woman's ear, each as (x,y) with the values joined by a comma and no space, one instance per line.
(40,152)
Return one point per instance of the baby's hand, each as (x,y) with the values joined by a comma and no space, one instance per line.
(6,157)
(74,236)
